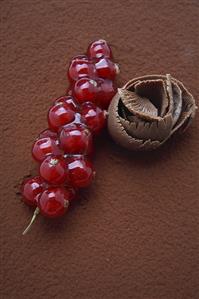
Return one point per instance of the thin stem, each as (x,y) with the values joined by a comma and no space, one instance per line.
(36,212)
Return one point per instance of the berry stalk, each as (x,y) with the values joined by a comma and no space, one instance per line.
(36,212)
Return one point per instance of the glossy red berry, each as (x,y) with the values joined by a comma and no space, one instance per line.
(79,172)
(106,68)
(107,91)
(59,115)
(31,189)
(76,139)
(81,68)
(44,147)
(99,49)
(53,202)
(69,102)
(53,170)
(94,117)
(48,133)
(85,89)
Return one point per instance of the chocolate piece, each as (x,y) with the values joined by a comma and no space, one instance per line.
(147,110)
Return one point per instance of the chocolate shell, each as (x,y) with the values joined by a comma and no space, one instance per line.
(147,110)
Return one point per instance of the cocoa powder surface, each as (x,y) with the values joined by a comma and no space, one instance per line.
(134,233)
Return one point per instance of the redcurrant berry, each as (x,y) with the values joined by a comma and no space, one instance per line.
(69,102)
(94,117)
(80,68)
(53,202)
(106,68)
(76,139)
(79,172)
(31,189)
(53,170)
(99,49)
(44,147)
(59,115)
(85,89)
(107,91)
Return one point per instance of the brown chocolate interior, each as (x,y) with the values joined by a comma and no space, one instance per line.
(152,90)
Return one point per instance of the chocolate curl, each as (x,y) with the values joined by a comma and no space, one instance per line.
(147,110)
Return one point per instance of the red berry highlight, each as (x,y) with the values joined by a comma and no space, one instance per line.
(53,170)
(80,68)
(54,202)
(59,115)
(76,139)
(68,102)
(94,117)
(31,189)
(106,68)
(99,49)
(44,147)
(85,89)
(79,172)
(77,121)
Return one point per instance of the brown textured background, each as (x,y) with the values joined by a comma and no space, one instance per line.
(135,234)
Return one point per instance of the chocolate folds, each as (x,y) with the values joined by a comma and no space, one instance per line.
(147,110)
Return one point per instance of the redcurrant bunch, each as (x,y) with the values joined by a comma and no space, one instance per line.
(64,150)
